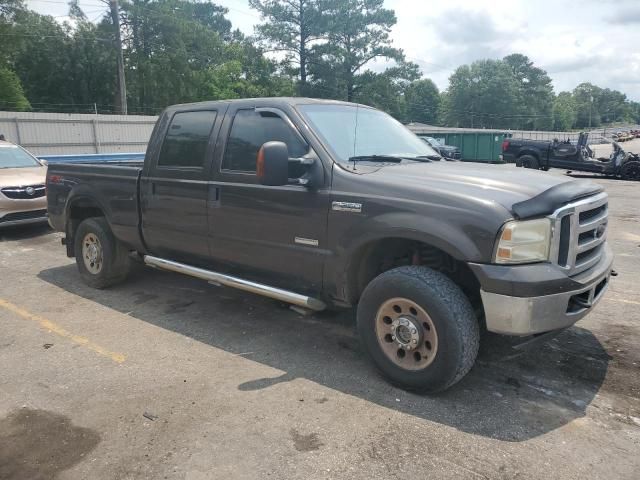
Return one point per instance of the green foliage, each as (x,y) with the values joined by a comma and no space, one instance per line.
(357,33)
(41,60)
(423,102)
(484,94)
(11,94)
(564,112)
(535,93)
(291,27)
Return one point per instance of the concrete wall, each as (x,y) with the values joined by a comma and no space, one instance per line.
(62,133)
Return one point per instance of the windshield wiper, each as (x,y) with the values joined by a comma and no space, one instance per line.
(376,158)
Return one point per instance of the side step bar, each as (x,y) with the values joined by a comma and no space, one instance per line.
(235,282)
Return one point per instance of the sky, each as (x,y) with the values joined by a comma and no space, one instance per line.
(575,41)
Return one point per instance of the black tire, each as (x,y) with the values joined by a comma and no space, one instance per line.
(451,314)
(115,262)
(630,170)
(529,161)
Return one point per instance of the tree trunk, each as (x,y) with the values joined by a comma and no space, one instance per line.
(303,52)
(121,94)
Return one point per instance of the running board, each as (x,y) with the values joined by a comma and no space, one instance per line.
(235,282)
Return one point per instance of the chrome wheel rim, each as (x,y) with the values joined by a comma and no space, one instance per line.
(406,334)
(92,253)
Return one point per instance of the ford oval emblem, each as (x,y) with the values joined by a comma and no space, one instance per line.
(30,191)
(600,230)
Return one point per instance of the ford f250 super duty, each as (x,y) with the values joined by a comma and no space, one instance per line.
(326,204)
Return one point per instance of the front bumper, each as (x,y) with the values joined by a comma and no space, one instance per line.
(23,218)
(570,301)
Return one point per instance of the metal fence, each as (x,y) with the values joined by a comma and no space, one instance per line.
(61,133)
(596,136)
(76,133)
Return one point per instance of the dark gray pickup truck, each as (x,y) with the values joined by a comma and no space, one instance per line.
(325,204)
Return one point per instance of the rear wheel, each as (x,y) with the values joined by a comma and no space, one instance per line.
(419,328)
(529,161)
(631,170)
(101,259)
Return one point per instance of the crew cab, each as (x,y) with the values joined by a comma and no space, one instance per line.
(326,204)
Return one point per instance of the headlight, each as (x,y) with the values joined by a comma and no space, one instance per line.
(524,241)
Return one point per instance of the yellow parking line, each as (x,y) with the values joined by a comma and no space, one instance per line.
(622,300)
(57,329)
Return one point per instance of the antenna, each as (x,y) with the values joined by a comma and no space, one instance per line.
(355,135)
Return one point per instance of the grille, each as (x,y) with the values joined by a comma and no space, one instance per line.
(24,193)
(580,231)
(12,217)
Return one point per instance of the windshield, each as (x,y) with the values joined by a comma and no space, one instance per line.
(12,156)
(352,131)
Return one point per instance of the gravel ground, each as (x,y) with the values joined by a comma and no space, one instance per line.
(168,377)
(604,150)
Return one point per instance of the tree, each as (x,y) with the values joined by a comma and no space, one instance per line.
(484,94)
(358,33)
(585,97)
(11,93)
(291,27)
(41,60)
(535,91)
(92,66)
(564,112)
(8,8)
(422,100)
(385,90)
(8,11)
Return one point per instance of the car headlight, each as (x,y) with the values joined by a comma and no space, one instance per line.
(524,241)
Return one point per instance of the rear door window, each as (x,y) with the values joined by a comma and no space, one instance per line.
(250,130)
(185,144)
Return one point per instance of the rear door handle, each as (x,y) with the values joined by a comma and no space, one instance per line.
(213,196)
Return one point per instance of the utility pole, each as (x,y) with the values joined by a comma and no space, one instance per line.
(121,93)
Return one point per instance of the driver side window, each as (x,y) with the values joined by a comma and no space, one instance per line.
(249,131)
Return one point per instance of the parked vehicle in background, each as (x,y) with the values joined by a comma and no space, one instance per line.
(623,136)
(448,152)
(543,155)
(22,187)
(321,203)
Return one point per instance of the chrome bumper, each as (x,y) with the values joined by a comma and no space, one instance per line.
(531,315)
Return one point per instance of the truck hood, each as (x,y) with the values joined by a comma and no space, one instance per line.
(512,188)
(21,177)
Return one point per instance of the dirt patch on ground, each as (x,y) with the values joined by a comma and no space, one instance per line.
(38,445)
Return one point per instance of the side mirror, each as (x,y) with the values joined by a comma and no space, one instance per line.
(272,165)
(44,163)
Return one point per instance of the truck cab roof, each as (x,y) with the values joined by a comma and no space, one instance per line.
(275,102)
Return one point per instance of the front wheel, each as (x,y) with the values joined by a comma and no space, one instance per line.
(630,170)
(101,259)
(419,328)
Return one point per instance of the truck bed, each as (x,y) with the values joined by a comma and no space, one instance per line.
(114,185)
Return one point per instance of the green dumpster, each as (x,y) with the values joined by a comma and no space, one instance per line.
(474,146)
